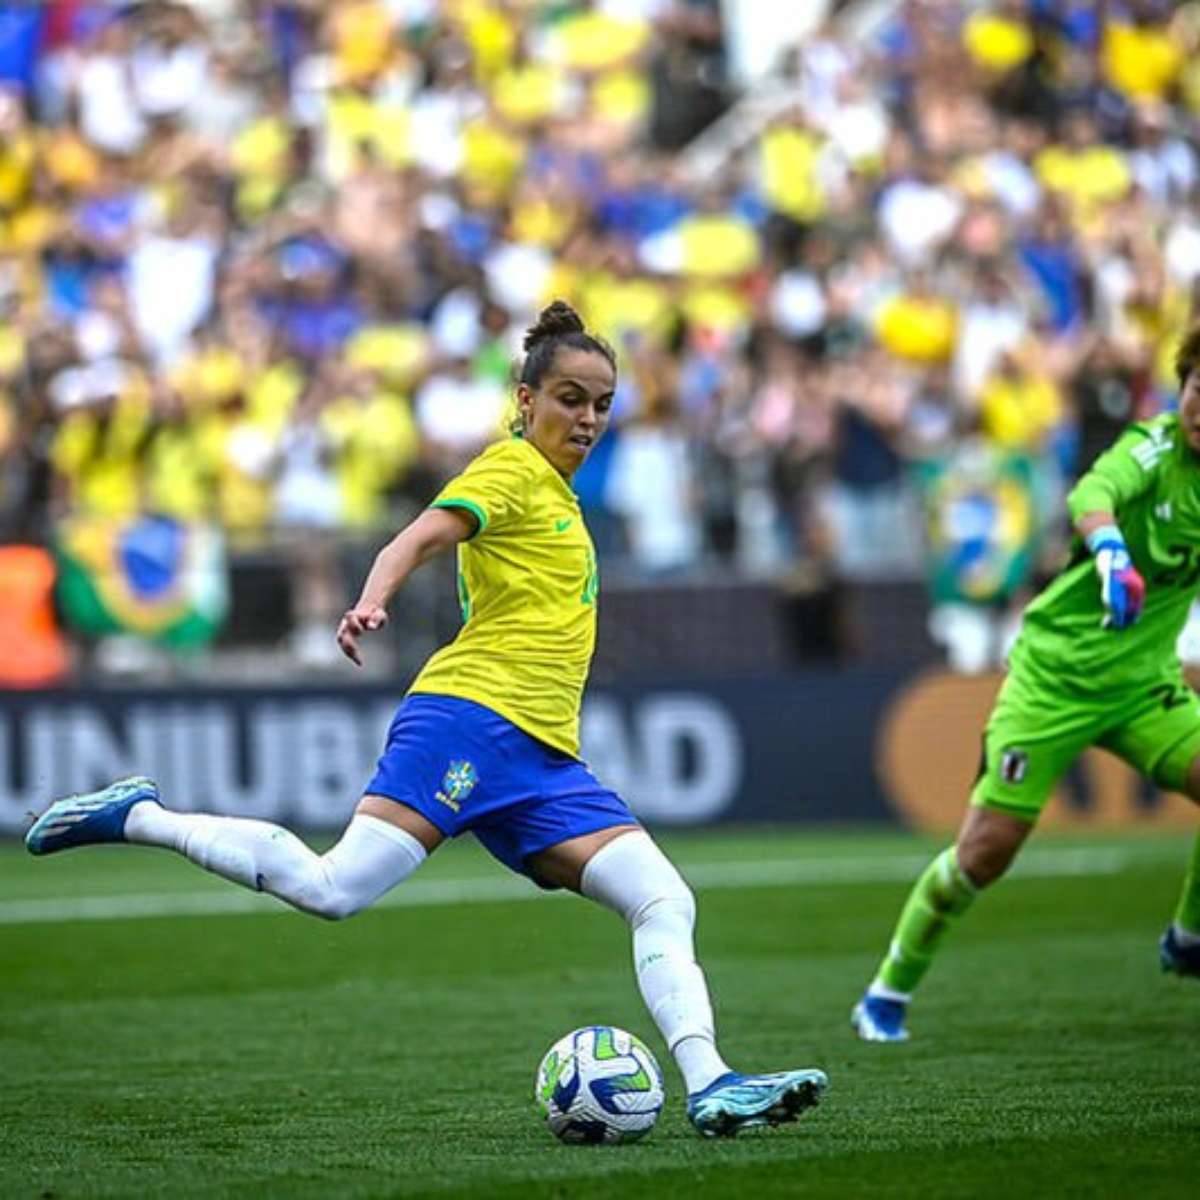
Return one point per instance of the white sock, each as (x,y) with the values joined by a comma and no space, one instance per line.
(632,876)
(698,1062)
(372,856)
(1185,937)
(883,992)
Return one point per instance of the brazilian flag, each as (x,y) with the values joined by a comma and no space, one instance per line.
(148,575)
(981,507)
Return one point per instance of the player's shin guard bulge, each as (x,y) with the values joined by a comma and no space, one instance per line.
(632,876)
(671,982)
(940,896)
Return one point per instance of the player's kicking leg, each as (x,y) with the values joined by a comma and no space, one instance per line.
(632,876)
(91,819)
(987,844)
(374,853)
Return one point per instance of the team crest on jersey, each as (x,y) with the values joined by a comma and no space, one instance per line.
(1013,765)
(1163,511)
(457,784)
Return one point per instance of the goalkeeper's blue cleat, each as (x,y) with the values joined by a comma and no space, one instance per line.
(735,1102)
(1177,958)
(880,1019)
(90,819)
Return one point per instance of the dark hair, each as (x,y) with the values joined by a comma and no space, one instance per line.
(1188,357)
(558,325)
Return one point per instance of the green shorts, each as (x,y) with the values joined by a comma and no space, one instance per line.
(1035,733)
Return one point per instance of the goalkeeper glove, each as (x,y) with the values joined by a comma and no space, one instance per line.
(1122,589)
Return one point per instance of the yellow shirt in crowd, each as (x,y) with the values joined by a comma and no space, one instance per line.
(791,183)
(527,585)
(619,307)
(996,42)
(362,39)
(377,441)
(918,328)
(493,158)
(98,456)
(718,245)
(18,156)
(1019,412)
(1142,63)
(595,41)
(1089,178)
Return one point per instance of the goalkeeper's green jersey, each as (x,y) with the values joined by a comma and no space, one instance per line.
(1150,480)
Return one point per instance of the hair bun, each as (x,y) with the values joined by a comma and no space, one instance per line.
(555,319)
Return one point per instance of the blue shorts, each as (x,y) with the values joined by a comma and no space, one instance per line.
(466,768)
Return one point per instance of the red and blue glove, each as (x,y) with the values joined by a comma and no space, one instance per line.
(1122,589)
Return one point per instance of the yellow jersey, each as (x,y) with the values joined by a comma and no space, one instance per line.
(527,584)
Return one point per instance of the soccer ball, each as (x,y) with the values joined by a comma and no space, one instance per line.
(599,1084)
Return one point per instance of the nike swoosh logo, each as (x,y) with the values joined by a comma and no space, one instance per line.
(559,526)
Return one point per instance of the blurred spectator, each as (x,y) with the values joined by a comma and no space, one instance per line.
(110,117)
(458,413)
(991,323)
(1019,406)
(171,280)
(918,210)
(33,651)
(651,481)
(22,28)
(266,266)
(169,64)
(867,502)
(1049,253)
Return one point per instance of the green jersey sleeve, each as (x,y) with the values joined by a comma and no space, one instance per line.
(1122,473)
(1150,481)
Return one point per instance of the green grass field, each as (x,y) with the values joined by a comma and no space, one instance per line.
(221,1046)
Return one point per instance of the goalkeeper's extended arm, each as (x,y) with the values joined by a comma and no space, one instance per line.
(1122,589)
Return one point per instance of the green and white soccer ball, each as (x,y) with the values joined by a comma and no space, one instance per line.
(599,1084)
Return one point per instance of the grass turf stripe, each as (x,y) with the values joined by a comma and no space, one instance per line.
(419,893)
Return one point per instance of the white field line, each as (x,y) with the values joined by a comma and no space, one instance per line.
(420,893)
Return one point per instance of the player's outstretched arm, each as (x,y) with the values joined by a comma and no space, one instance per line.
(435,530)
(1122,588)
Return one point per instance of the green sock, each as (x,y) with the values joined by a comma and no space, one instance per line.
(1187,915)
(939,897)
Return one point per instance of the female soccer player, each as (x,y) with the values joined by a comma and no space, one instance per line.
(1084,672)
(487,738)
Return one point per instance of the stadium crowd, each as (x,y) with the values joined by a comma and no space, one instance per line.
(262,264)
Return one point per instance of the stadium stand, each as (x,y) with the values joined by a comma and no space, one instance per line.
(262,268)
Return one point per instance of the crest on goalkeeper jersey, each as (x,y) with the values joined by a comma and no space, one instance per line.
(1013,765)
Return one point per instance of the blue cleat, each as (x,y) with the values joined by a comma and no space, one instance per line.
(735,1102)
(1177,958)
(879,1019)
(90,819)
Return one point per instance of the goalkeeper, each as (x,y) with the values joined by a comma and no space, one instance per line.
(1095,665)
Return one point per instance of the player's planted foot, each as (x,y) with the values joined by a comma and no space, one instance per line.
(1177,958)
(89,819)
(880,1019)
(735,1102)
